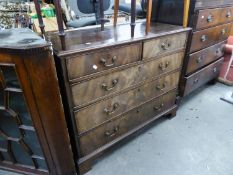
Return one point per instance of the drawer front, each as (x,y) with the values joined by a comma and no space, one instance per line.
(87,92)
(153,48)
(203,76)
(212,3)
(204,57)
(212,17)
(110,108)
(90,63)
(208,37)
(110,131)
(226,15)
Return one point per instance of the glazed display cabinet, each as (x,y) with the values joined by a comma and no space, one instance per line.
(33,133)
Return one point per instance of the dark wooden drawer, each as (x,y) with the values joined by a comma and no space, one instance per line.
(110,108)
(212,17)
(89,63)
(208,37)
(201,77)
(116,128)
(89,91)
(204,57)
(155,47)
(212,3)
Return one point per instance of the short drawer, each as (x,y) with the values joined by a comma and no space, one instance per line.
(110,108)
(201,77)
(116,128)
(89,63)
(90,91)
(204,57)
(208,37)
(212,17)
(153,48)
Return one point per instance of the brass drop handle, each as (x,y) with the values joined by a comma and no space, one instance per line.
(223,31)
(112,133)
(228,14)
(161,87)
(218,51)
(164,66)
(203,38)
(210,18)
(106,88)
(165,45)
(196,81)
(104,61)
(199,59)
(215,70)
(113,110)
(160,107)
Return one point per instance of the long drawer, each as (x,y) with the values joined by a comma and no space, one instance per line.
(212,3)
(213,17)
(208,37)
(201,77)
(204,57)
(93,62)
(113,129)
(87,92)
(155,47)
(110,108)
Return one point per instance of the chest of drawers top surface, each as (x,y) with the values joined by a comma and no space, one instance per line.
(80,40)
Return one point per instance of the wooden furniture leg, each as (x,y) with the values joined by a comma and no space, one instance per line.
(116,8)
(148,16)
(40,19)
(60,23)
(101,15)
(186,13)
(133,17)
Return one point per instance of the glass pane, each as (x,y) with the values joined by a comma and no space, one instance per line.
(31,140)
(1,98)
(6,157)
(8,125)
(3,143)
(17,103)
(10,76)
(21,155)
(41,164)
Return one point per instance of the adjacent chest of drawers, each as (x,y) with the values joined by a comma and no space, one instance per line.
(211,21)
(121,86)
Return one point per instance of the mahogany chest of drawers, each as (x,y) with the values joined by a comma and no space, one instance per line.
(115,85)
(212,23)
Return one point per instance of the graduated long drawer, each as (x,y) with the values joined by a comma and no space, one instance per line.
(116,128)
(90,91)
(94,115)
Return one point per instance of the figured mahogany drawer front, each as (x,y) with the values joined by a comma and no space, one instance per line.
(212,17)
(207,37)
(94,62)
(153,48)
(113,129)
(203,76)
(87,92)
(94,115)
(204,57)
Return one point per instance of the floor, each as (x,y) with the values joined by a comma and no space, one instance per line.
(198,141)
